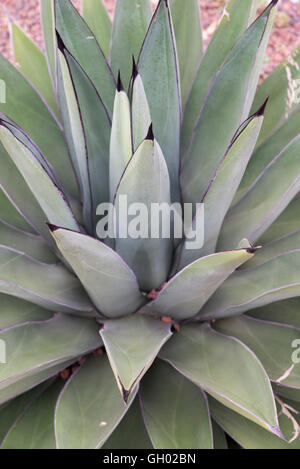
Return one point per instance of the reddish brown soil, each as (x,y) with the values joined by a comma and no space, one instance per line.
(285,37)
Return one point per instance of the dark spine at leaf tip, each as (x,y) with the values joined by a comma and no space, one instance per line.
(150,135)
(261,110)
(60,42)
(134,69)
(120,86)
(52,228)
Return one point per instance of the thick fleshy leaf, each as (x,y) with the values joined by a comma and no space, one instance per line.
(217,201)
(140,112)
(213,131)
(50,286)
(82,44)
(131,432)
(9,213)
(97,413)
(280,89)
(30,244)
(266,152)
(219,437)
(25,107)
(288,393)
(96,126)
(12,410)
(96,16)
(48,24)
(132,344)
(271,343)
(18,387)
(159,71)
(265,200)
(14,311)
(120,140)
(275,280)
(34,429)
(39,179)
(57,340)
(175,410)
(145,183)
(283,312)
(131,20)
(248,434)
(231,27)
(107,279)
(32,62)
(185,294)
(188,34)
(243,386)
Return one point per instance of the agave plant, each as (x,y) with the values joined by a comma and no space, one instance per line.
(144,343)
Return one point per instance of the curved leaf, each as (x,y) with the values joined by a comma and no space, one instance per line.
(50,286)
(107,279)
(243,386)
(220,441)
(131,20)
(97,414)
(145,184)
(275,280)
(140,112)
(185,294)
(175,410)
(130,359)
(213,131)
(158,68)
(96,16)
(14,311)
(47,8)
(284,312)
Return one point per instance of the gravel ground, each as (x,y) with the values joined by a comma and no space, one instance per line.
(285,37)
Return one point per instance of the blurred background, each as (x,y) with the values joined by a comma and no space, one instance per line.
(285,37)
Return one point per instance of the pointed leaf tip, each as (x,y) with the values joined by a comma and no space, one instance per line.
(120,86)
(261,110)
(150,135)
(135,71)
(52,228)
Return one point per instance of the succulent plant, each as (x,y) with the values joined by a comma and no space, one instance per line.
(119,342)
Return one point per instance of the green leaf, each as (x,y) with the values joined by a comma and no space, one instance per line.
(131,432)
(265,200)
(96,16)
(188,34)
(96,126)
(120,140)
(57,340)
(140,112)
(175,410)
(131,20)
(48,24)
(284,312)
(243,386)
(82,44)
(74,132)
(158,68)
(34,429)
(185,294)
(217,201)
(271,343)
(9,213)
(267,151)
(231,94)
(107,279)
(50,286)
(248,434)
(279,87)
(231,27)
(97,413)
(25,107)
(288,393)
(14,311)
(130,359)
(219,437)
(30,244)
(39,179)
(275,280)
(145,248)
